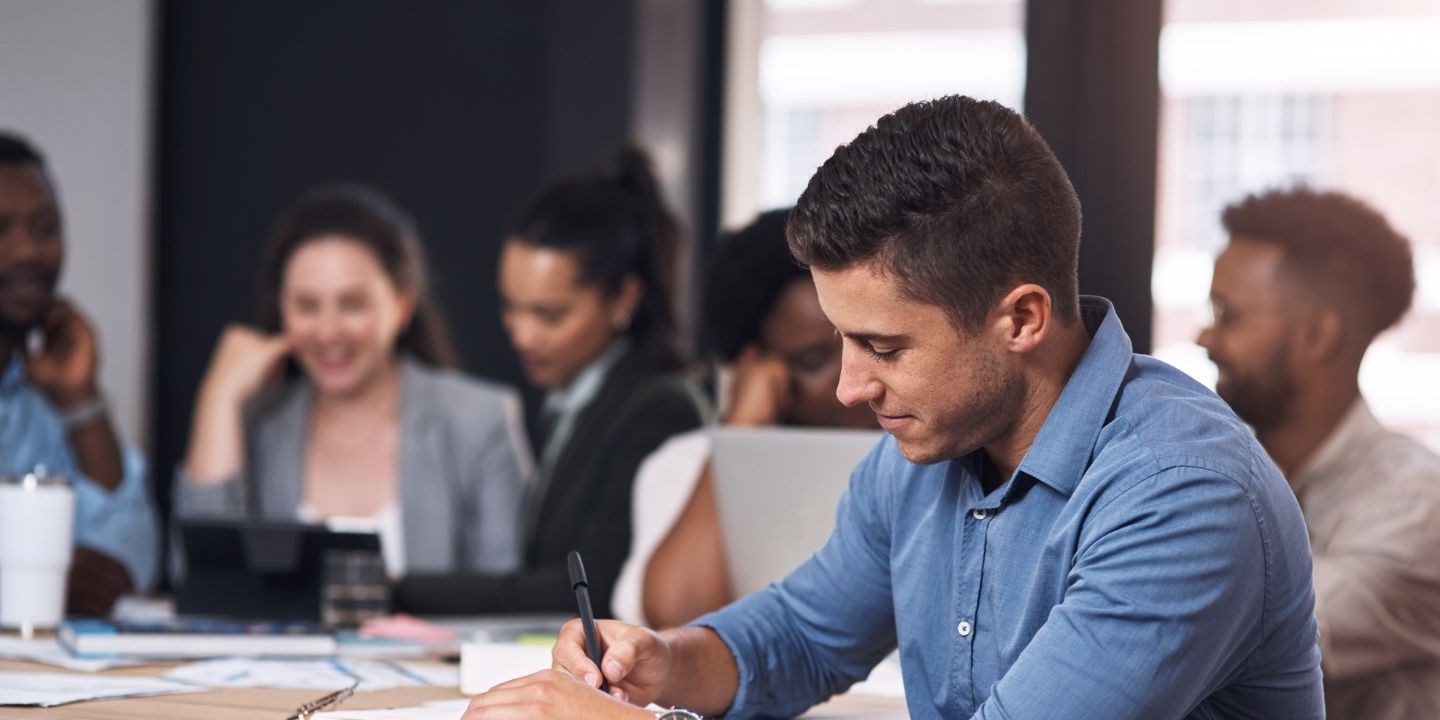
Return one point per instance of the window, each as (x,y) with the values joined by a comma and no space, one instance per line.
(809,75)
(1343,96)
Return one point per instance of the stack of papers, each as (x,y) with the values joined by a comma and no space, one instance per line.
(194,637)
(51,689)
(312,674)
(48,651)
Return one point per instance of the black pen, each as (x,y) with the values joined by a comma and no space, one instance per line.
(587,616)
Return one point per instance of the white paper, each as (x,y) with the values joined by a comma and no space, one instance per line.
(401,713)
(415,713)
(434,710)
(456,705)
(48,651)
(307,674)
(884,681)
(485,665)
(51,689)
(434,673)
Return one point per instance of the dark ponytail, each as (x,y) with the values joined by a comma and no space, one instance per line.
(616,225)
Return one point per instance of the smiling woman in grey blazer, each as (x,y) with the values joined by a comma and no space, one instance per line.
(370,427)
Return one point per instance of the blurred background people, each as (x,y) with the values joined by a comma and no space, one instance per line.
(1308,280)
(585,283)
(53,413)
(370,420)
(762,319)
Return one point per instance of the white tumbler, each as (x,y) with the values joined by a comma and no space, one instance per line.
(37,522)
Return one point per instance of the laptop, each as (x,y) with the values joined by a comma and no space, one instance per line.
(777,490)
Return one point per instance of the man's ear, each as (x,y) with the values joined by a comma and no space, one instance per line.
(1024,317)
(1323,336)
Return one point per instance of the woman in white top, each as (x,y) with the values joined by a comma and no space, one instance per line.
(370,425)
(763,319)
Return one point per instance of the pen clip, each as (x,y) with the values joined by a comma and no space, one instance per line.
(577,570)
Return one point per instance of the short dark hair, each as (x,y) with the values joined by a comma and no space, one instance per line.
(958,199)
(748,271)
(615,224)
(16,150)
(372,219)
(1336,247)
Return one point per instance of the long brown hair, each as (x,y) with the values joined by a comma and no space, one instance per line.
(368,217)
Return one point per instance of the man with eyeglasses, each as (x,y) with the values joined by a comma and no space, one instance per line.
(1308,280)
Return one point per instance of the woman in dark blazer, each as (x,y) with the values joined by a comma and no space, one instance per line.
(584,284)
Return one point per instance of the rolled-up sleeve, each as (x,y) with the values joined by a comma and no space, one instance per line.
(826,625)
(121,522)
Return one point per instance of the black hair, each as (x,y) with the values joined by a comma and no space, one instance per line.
(956,198)
(371,219)
(16,150)
(749,270)
(1336,247)
(616,225)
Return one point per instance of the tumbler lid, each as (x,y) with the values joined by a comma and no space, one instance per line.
(39,477)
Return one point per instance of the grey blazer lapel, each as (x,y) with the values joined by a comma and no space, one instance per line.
(426,509)
(282,465)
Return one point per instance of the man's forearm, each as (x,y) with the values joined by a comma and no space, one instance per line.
(97,451)
(703,675)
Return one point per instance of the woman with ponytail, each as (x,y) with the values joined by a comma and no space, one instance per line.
(585,292)
(344,404)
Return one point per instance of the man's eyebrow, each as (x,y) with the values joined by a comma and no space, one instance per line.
(874,338)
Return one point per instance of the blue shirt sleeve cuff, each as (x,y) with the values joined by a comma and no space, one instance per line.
(121,522)
(731,624)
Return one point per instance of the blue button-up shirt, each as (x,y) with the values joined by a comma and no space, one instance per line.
(1146,560)
(119,522)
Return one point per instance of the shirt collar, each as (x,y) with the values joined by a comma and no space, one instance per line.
(586,384)
(1356,429)
(1061,451)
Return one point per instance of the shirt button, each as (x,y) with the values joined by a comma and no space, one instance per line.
(978,513)
(963,628)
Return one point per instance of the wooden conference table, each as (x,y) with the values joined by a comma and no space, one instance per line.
(266,703)
(224,704)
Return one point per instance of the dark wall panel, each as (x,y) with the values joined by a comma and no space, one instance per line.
(1092,90)
(459,110)
(589,46)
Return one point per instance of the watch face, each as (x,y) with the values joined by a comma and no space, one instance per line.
(677,714)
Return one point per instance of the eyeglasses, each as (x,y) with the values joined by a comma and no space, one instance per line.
(325,702)
(1223,314)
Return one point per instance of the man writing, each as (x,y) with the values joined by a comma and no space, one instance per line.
(51,411)
(1057,527)
(1307,282)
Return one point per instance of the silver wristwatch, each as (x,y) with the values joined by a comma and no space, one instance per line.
(677,714)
